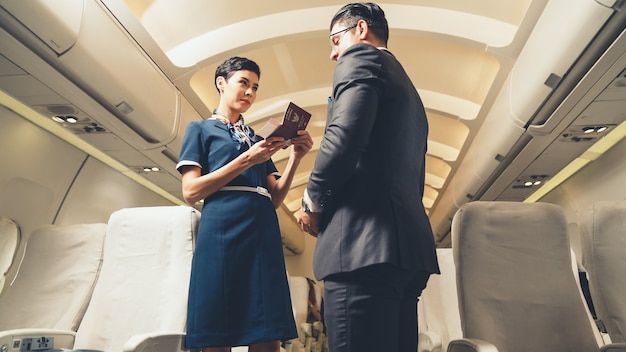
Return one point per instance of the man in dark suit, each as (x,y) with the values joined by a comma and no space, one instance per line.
(375,249)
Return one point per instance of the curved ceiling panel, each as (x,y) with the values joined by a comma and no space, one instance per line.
(430,195)
(446,136)
(437,172)
(202,36)
(457,54)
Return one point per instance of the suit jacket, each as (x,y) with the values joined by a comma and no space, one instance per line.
(368,178)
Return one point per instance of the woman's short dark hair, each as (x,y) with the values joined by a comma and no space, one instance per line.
(370,12)
(234,64)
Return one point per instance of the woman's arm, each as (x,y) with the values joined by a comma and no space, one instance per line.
(196,186)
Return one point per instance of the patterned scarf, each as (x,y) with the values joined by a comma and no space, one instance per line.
(239,132)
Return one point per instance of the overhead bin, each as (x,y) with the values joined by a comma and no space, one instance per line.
(84,42)
(553,47)
(551,50)
(62,21)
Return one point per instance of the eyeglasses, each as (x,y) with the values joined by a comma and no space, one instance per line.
(335,43)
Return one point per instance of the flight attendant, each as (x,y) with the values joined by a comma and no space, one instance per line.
(238,293)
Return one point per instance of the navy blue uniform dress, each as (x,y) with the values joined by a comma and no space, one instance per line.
(238,293)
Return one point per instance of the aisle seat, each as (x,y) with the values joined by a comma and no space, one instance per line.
(515,281)
(140,298)
(10,237)
(438,309)
(55,279)
(603,239)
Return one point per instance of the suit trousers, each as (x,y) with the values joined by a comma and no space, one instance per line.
(373,309)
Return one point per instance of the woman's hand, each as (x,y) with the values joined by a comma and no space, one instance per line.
(262,151)
(302,144)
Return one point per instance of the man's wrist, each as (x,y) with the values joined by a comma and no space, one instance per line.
(307,205)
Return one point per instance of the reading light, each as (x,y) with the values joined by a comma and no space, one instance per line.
(533,180)
(61,119)
(596,129)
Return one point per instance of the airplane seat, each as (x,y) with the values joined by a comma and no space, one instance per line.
(310,335)
(139,302)
(580,274)
(55,279)
(603,242)
(140,299)
(299,291)
(515,284)
(575,242)
(10,237)
(438,310)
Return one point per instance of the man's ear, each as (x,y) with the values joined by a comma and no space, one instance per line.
(363,29)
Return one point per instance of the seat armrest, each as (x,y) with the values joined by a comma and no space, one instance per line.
(614,347)
(471,345)
(156,342)
(429,341)
(26,340)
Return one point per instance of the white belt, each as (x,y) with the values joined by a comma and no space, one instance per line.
(258,189)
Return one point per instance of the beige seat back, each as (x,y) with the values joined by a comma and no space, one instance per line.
(55,278)
(299,292)
(515,282)
(144,280)
(10,237)
(603,243)
(438,310)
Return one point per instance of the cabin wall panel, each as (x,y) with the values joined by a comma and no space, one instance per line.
(100,190)
(602,179)
(45,180)
(37,170)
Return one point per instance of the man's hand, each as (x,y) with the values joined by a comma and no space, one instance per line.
(309,222)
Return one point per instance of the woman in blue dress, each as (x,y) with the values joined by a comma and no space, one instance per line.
(238,293)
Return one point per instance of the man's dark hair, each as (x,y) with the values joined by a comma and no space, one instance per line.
(370,12)
(230,66)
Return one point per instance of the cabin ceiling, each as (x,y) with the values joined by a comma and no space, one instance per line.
(458,55)
(464,57)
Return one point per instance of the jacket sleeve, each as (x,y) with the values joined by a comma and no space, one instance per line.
(357,90)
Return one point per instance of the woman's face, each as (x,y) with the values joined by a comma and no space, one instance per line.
(239,91)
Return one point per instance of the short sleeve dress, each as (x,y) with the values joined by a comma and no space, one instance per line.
(238,293)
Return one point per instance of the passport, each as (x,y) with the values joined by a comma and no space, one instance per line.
(295,118)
